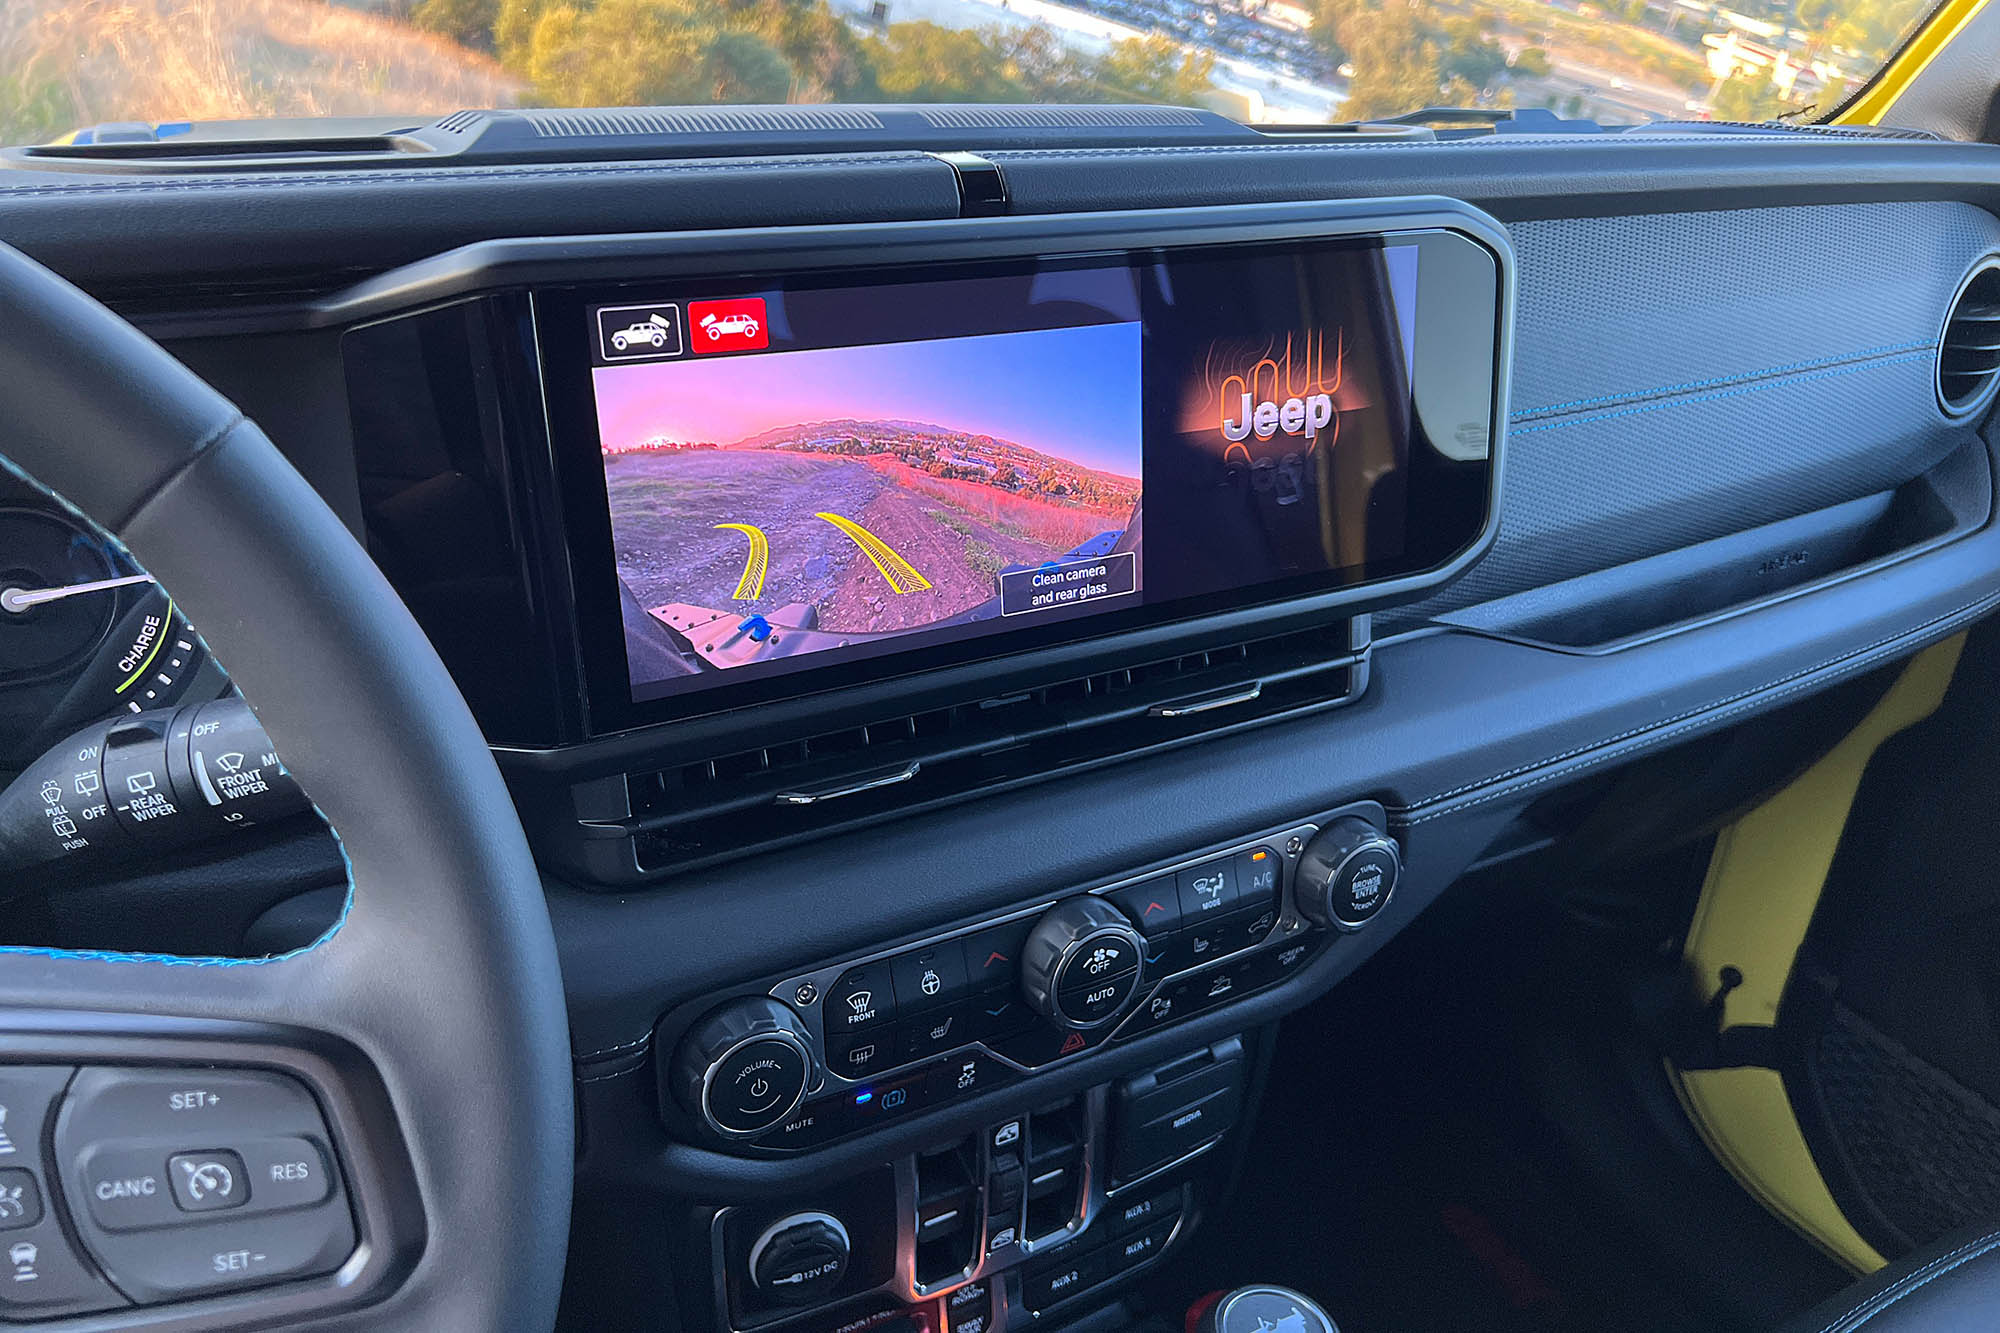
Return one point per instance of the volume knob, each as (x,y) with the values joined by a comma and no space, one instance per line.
(745,1066)
(1347,873)
(1080,964)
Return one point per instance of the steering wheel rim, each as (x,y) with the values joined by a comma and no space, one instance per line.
(443,970)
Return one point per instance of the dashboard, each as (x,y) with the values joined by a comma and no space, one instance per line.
(977,633)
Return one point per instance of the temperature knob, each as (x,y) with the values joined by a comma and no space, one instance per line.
(1347,873)
(1080,965)
(744,1067)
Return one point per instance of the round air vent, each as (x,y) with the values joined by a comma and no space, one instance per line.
(1968,368)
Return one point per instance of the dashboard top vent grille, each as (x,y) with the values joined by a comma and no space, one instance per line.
(702,811)
(697,120)
(1968,369)
(460,122)
(1057,117)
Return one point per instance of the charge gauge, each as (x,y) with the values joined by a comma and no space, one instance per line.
(84,634)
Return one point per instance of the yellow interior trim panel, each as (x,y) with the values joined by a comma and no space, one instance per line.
(1872,103)
(1764,882)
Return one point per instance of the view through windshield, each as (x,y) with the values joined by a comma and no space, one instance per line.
(70,64)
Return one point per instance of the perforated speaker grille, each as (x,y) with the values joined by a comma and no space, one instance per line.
(697,120)
(1056,117)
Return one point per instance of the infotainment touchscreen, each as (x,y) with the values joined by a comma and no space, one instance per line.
(807,472)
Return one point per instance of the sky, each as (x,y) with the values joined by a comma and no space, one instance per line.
(1073,393)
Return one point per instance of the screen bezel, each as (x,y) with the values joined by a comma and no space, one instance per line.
(1457,378)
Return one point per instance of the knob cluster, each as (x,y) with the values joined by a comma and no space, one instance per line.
(1080,965)
(745,1066)
(1347,873)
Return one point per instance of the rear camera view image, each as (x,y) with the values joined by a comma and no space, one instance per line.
(772,506)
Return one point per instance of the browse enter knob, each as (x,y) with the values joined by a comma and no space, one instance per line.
(1347,873)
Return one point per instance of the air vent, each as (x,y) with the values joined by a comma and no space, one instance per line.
(676,819)
(1058,117)
(1968,369)
(697,120)
(462,122)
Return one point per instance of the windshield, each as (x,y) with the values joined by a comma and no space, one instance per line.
(69,65)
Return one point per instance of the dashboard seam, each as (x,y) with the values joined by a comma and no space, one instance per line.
(1404,145)
(1591,418)
(435,174)
(1721,381)
(1601,751)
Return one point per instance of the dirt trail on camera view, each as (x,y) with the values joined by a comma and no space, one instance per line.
(666,507)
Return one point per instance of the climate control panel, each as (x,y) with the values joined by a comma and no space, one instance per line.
(854,1044)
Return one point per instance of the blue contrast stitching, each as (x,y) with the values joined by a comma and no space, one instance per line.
(171,959)
(1603,400)
(1719,395)
(1923,1277)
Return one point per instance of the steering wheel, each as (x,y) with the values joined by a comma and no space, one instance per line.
(430,1023)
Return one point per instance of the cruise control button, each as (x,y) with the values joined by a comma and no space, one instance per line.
(26,1093)
(126,1188)
(207,1182)
(282,1173)
(1206,891)
(863,997)
(42,1277)
(233,1251)
(20,1199)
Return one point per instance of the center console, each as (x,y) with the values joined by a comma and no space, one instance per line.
(1060,1194)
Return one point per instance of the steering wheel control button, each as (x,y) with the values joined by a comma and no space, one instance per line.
(1347,874)
(863,997)
(281,1173)
(216,1254)
(20,1198)
(1206,891)
(745,1067)
(208,1182)
(125,1189)
(929,977)
(41,1277)
(165,1168)
(801,1259)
